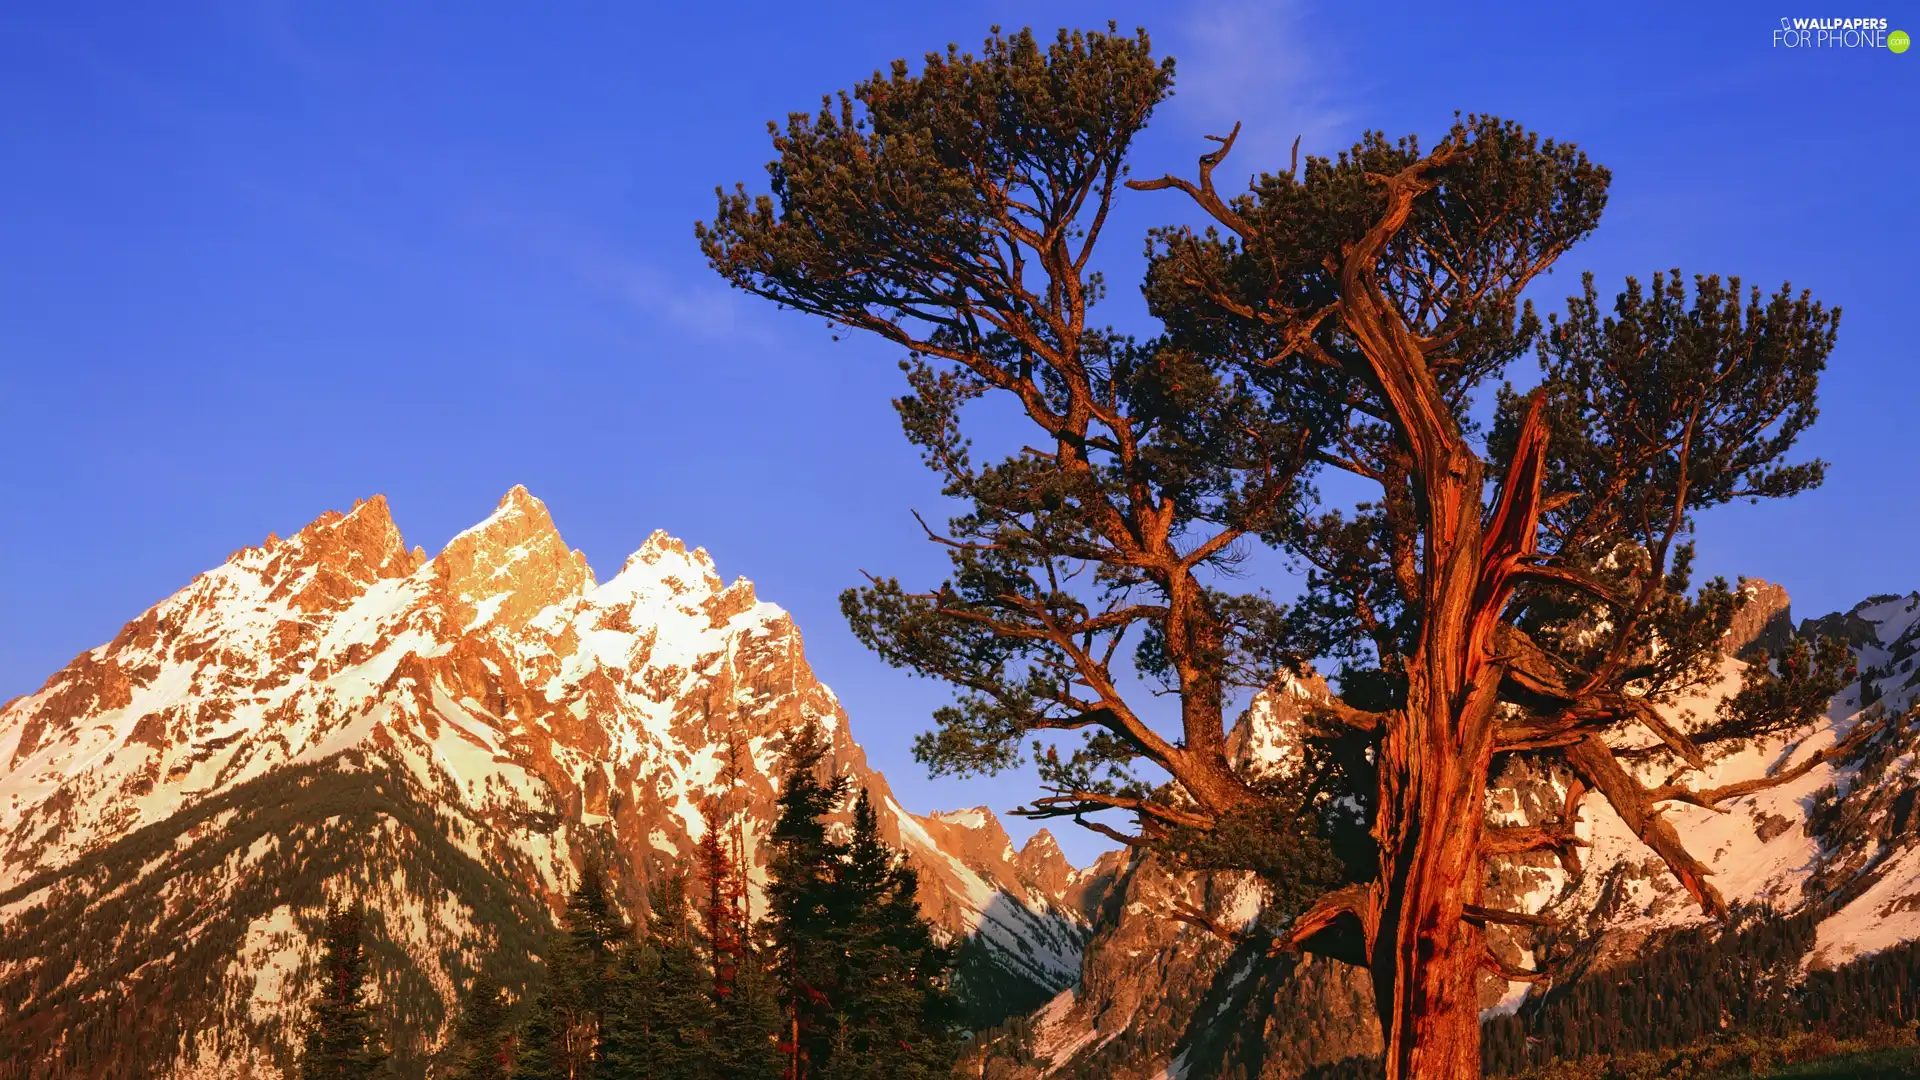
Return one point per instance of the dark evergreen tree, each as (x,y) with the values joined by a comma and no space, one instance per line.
(804,903)
(537,1053)
(482,1040)
(660,1017)
(562,1039)
(340,1042)
(748,1023)
(895,1014)
(867,988)
(723,916)
(746,1004)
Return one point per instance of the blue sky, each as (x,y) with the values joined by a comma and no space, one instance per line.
(261,259)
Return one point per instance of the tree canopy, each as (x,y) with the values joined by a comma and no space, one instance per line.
(1518,587)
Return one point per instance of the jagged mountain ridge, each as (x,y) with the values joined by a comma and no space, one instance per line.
(1163,1000)
(447,737)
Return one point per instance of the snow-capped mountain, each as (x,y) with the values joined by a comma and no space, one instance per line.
(448,738)
(1163,1000)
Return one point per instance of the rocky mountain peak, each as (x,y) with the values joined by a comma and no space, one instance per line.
(976,837)
(332,558)
(509,567)
(450,740)
(665,556)
(1042,865)
(1765,621)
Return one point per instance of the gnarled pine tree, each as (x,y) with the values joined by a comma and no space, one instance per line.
(1523,590)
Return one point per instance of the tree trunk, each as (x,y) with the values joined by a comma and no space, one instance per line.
(1426,957)
(1431,809)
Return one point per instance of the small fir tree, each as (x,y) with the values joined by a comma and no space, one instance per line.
(537,1055)
(866,985)
(801,896)
(895,1013)
(746,1010)
(562,1039)
(483,1040)
(724,912)
(340,1042)
(747,1024)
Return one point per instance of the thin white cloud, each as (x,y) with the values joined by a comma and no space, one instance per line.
(1260,65)
(695,302)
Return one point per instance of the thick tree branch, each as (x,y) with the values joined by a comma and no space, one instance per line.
(1509,972)
(1348,716)
(1081,802)
(1352,900)
(1711,798)
(1594,761)
(1517,839)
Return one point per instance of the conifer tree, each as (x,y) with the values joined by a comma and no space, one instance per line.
(537,1053)
(895,1015)
(340,1042)
(745,1000)
(660,1016)
(747,1025)
(867,986)
(723,915)
(562,1039)
(802,889)
(1523,588)
(483,1039)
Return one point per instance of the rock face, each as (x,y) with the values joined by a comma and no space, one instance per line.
(449,739)
(1764,622)
(1162,1000)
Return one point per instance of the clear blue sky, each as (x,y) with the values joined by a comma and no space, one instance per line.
(260,259)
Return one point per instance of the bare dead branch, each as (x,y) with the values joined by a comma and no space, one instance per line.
(1509,972)
(1594,761)
(1362,720)
(1481,916)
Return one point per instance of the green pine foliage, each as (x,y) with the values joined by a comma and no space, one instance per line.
(660,1021)
(746,998)
(340,1041)
(896,1013)
(803,901)
(747,1023)
(562,1041)
(1493,573)
(539,1055)
(482,1038)
(868,989)
(843,979)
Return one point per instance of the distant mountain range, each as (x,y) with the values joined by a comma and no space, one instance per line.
(452,738)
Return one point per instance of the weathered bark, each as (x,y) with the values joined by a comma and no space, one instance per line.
(1429,821)
(1426,956)
(1434,757)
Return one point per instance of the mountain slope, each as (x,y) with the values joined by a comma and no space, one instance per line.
(1162,1000)
(450,738)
